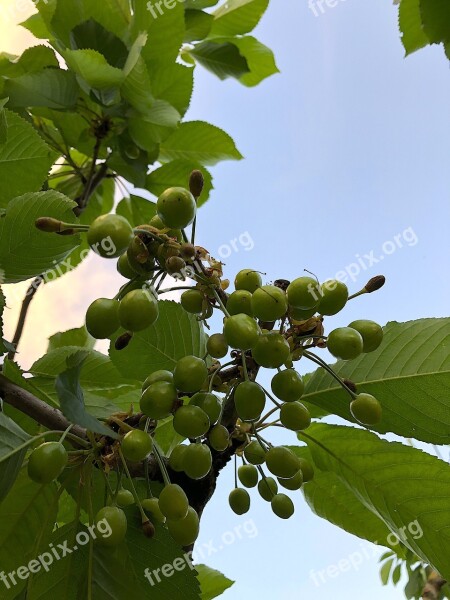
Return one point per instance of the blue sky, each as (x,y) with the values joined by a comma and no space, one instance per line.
(346,152)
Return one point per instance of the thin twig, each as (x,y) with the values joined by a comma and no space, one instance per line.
(31,292)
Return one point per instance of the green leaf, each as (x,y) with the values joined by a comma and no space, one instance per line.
(4,346)
(93,68)
(25,159)
(396,574)
(26,252)
(174,83)
(411,28)
(405,487)
(165,29)
(200,142)
(198,25)
(11,437)
(260,60)
(176,173)
(221,58)
(385,571)
(142,556)
(136,210)
(212,583)
(329,498)
(32,60)
(136,88)
(53,88)
(237,17)
(37,26)
(436,20)
(113,15)
(409,374)
(166,437)
(71,397)
(79,338)
(27,518)
(3,122)
(90,35)
(199,4)
(158,123)
(174,335)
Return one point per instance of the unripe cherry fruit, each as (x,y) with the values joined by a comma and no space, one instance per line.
(250,400)
(117,521)
(271,350)
(102,318)
(176,458)
(295,416)
(47,462)
(345,343)
(267,488)
(304,293)
(219,438)
(217,346)
(301,314)
(124,267)
(293,484)
(190,374)
(192,301)
(173,502)
(248,280)
(136,445)
(158,400)
(254,453)
(124,498)
(287,385)
(283,506)
(248,476)
(185,531)
(138,310)
(151,507)
(191,421)
(307,470)
(371,332)
(269,303)
(176,207)
(240,302)
(239,500)
(109,235)
(282,462)
(161,375)
(241,332)
(197,461)
(334,297)
(209,403)
(366,409)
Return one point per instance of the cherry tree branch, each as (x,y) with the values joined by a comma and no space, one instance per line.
(31,292)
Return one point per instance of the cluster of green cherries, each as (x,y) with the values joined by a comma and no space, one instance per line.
(264,326)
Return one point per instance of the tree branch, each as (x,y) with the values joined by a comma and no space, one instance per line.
(42,413)
(31,292)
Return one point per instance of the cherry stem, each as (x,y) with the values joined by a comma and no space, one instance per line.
(361,293)
(261,440)
(124,289)
(149,233)
(133,489)
(175,289)
(278,405)
(235,472)
(266,416)
(318,361)
(216,372)
(194,227)
(162,466)
(64,435)
(244,366)
(221,304)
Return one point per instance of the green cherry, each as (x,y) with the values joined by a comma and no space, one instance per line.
(190,374)
(117,521)
(102,318)
(254,453)
(248,476)
(158,400)
(371,332)
(295,416)
(192,301)
(208,402)
(136,445)
(366,409)
(176,208)
(219,438)
(138,310)
(250,400)
(267,488)
(282,462)
(269,303)
(345,343)
(217,346)
(239,500)
(304,293)
(109,235)
(240,302)
(334,297)
(248,280)
(241,332)
(161,375)
(185,531)
(47,462)
(271,350)
(287,385)
(191,422)
(282,506)
(173,502)
(197,461)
